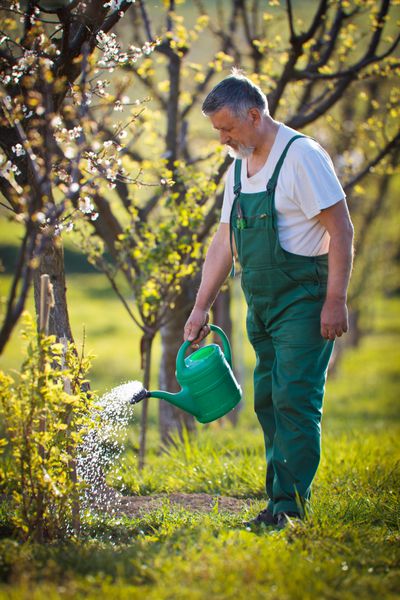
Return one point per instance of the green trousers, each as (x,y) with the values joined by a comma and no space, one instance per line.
(285,293)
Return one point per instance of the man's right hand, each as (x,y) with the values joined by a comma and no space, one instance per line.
(196,328)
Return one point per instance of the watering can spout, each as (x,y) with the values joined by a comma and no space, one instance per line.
(181,399)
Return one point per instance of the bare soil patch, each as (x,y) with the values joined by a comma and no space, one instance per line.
(137,506)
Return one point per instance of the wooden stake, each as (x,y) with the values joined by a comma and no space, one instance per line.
(46,303)
(76,519)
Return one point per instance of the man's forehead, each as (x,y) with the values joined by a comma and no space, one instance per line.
(223,117)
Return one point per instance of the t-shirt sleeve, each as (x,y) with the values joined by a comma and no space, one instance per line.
(315,183)
(228,195)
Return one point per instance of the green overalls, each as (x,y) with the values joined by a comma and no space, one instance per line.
(285,293)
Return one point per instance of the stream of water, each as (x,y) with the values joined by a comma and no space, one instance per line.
(105,444)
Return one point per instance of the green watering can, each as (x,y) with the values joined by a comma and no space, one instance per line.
(209,388)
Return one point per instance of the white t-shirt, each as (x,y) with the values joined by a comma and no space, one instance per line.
(306,184)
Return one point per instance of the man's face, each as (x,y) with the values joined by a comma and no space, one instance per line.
(235,132)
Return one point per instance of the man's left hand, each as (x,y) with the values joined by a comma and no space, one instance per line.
(334,318)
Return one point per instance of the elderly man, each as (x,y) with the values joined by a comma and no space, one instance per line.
(285,217)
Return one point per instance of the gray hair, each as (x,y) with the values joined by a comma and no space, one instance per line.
(237,93)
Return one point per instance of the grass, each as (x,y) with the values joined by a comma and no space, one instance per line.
(347,548)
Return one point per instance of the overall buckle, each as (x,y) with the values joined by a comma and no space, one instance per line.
(271,185)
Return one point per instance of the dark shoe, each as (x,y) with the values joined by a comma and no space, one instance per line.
(265,517)
(286,519)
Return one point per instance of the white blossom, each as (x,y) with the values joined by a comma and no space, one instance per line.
(68,226)
(75,133)
(86,205)
(115,4)
(69,152)
(9,168)
(56,121)
(100,88)
(27,112)
(18,150)
(113,54)
(40,217)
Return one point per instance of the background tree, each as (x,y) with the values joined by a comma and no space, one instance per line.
(45,132)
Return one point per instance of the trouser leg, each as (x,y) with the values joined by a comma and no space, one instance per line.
(265,355)
(298,380)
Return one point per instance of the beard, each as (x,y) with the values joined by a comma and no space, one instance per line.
(241,151)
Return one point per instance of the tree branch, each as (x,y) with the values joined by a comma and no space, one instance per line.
(150,85)
(300,121)
(146,20)
(318,17)
(296,50)
(116,16)
(391,146)
(226,45)
(354,70)
(14,306)
(376,38)
(289,10)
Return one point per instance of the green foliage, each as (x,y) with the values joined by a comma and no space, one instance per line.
(45,413)
(162,252)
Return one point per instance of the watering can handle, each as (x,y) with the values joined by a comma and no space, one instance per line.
(180,359)
(225,343)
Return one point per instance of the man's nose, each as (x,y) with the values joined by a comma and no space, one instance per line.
(224,137)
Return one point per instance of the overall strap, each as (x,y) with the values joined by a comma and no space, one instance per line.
(236,190)
(238,184)
(271,185)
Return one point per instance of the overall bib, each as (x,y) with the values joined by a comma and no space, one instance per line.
(284,293)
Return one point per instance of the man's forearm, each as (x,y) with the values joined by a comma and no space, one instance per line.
(334,316)
(340,262)
(215,271)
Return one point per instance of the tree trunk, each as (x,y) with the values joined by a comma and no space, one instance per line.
(145,347)
(52,263)
(172,419)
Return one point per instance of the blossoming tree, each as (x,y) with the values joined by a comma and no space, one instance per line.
(49,170)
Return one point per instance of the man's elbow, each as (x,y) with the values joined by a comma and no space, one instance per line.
(349,232)
(342,236)
(346,229)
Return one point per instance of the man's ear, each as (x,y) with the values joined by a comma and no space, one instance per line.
(254,116)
